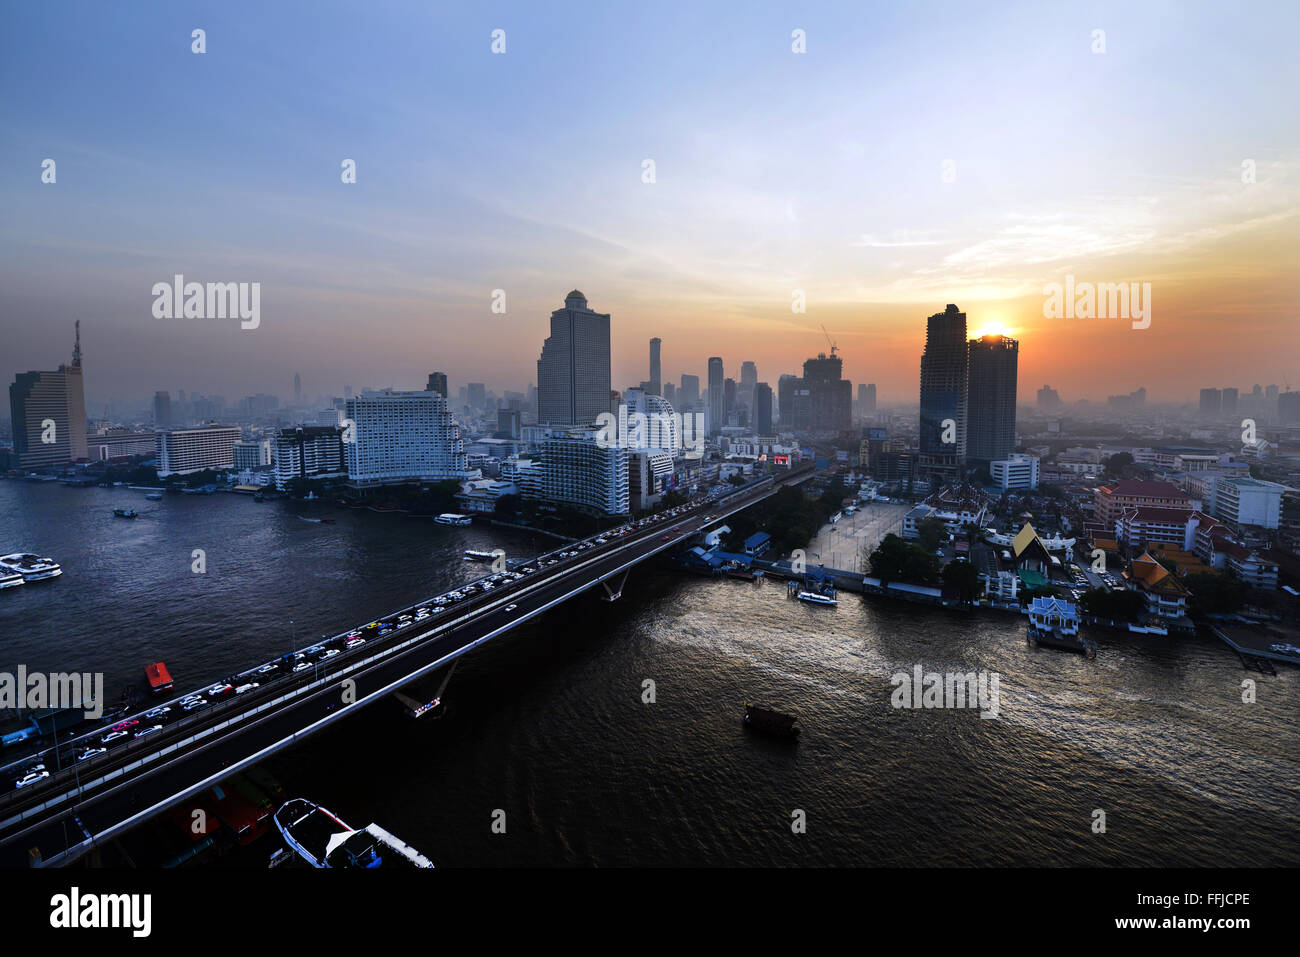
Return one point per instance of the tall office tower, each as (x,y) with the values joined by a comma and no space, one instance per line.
(1139,397)
(573,369)
(48,411)
(1211,401)
(403,437)
(1048,399)
(728,398)
(690,396)
(717,396)
(1288,408)
(748,379)
(297,388)
(991,398)
(823,401)
(786,387)
(869,407)
(476,395)
(1229,401)
(762,408)
(656,383)
(509,422)
(162,410)
(437,383)
(943,394)
(670,391)
(1270,393)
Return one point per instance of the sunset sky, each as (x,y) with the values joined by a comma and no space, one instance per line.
(775,171)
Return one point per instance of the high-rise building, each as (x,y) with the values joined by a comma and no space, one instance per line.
(48,411)
(656,382)
(162,410)
(728,399)
(1211,401)
(1048,399)
(252,455)
(509,423)
(308,451)
(786,387)
(182,451)
(578,471)
(821,401)
(476,395)
(1288,408)
(670,391)
(991,398)
(403,437)
(867,399)
(1229,401)
(717,396)
(690,396)
(943,394)
(762,408)
(573,380)
(437,383)
(748,379)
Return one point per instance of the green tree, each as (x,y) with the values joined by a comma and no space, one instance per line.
(931,533)
(963,576)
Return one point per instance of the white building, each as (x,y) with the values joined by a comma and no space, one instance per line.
(1015,471)
(252,455)
(650,474)
(577,471)
(181,451)
(1248,501)
(401,437)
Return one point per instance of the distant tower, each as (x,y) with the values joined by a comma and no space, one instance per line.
(944,369)
(991,398)
(716,396)
(573,369)
(656,383)
(76,347)
(437,383)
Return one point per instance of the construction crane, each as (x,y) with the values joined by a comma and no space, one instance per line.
(828,340)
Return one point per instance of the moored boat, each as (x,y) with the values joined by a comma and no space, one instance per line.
(453,518)
(31,567)
(324,840)
(159,678)
(770,722)
(125,512)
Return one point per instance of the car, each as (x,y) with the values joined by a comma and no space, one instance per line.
(511,607)
(89,753)
(158,713)
(667,537)
(300,666)
(31,778)
(354,642)
(246,687)
(112,736)
(193,704)
(149,730)
(219,688)
(265,669)
(328,654)
(123,725)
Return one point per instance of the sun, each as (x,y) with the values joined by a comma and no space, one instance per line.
(993,327)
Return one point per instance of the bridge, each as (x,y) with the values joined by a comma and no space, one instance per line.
(89,798)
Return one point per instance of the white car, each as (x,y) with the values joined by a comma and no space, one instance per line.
(149,730)
(511,607)
(193,704)
(31,778)
(158,712)
(90,753)
(112,736)
(300,666)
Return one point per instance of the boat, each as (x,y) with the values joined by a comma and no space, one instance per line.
(324,840)
(304,518)
(478,555)
(154,496)
(770,722)
(125,512)
(31,567)
(817,598)
(159,678)
(9,578)
(1054,623)
(452,518)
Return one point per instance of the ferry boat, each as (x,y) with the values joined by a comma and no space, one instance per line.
(31,567)
(9,578)
(452,518)
(770,722)
(478,555)
(154,496)
(1055,624)
(323,840)
(125,512)
(159,678)
(817,598)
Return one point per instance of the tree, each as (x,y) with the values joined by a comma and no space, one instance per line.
(896,560)
(963,576)
(1216,594)
(1119,465)
(931,533)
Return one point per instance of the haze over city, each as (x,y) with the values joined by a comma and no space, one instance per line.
(823,172)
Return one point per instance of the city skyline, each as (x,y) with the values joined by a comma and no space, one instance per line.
(397,272)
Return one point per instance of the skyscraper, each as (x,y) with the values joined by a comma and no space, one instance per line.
(991,398)
(762,408)
(1211,401)
(656,383)
(717,396)
(943,394)
(297,388)
(403,437)
(437,383)
(1048,399)
(690,396)
(867,399)
(48,410)
(573,380)
(748,379)
(822,401)
(162,410)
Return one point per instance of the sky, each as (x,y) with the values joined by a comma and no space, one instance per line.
(916,154)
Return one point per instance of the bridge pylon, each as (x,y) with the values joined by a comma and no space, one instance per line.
(613,594)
